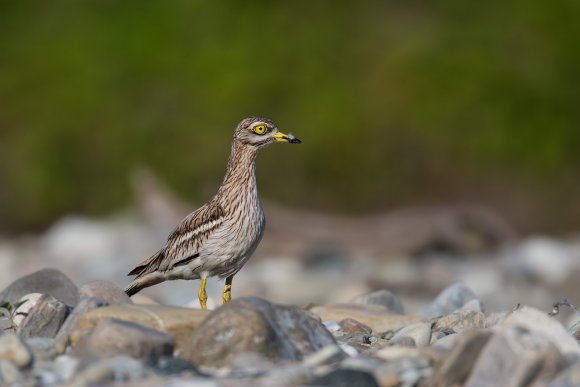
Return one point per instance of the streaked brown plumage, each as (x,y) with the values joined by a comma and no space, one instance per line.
(218,238)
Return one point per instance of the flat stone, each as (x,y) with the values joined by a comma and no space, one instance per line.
(376,317)
(282,333)
(383,298)
(460,321)
(45,318)
(178,322)
(458,364)
(349,325)
(420,333)
(45,281)
(450,299)
(516,356)
(15,350)
(541,324)
(106,291)
(85,304)
(116,337)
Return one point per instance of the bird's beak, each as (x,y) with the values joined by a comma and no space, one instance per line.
(281,137)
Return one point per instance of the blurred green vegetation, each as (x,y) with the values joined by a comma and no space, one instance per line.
(397,103)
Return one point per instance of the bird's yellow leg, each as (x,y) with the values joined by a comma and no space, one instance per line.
(228,289)
(201,294)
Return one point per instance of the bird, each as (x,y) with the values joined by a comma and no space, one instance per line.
(217,239)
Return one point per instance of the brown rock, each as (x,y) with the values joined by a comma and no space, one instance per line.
(376,317)
(281,333)
(178,322)
(349,325)
(460,321)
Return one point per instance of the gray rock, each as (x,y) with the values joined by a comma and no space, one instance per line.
(570,377)
(45,281)
(574,330)
(384,298)
(115,337)
(166,365)
(419,332)
(450,299)
(44,319)
(457,366)
(255,325)
(460,321)
(106,291)
(345,377)
(15,350)
(10,375)
(447,341)
(473,305)
(516,357)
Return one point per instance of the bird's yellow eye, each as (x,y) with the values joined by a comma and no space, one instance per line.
(260,129)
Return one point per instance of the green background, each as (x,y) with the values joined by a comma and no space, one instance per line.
(397,103)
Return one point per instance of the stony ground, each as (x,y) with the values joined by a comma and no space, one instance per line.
(56,333)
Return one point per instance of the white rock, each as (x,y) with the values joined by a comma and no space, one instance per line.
(28,302)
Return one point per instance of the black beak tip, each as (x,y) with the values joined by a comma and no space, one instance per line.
(294,140)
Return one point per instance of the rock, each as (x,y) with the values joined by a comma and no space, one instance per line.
(457,366)
(106,371)
(516,357)
(9,374)
(376,317)
(24,306)
(106,291)
(473,305)
(349,325)
(460,321)
(115,337)
(166,365)
(344,377)
(447,341)
(450,299)
(178,322)
(420,333)
(493,319)
(574,330)
(359,341)
(15,350)
(63,337)
(45,281)
(541,324)
(45,318)
(43,348)
(383,298)
(255,325)
(568,378)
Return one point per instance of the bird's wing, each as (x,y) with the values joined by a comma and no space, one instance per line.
(184,243)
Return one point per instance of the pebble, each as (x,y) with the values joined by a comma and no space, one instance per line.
(383,298)
(45,281)
(450,299)
(420,333)
(15,350)
(45,318)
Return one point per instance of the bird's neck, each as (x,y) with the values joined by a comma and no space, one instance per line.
(241,170)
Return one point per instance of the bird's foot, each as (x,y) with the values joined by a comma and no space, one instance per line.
(227,293)
(202,295)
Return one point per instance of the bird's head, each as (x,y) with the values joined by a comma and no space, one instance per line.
(258,132)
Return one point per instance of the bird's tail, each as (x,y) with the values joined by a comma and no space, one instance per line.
(143,282)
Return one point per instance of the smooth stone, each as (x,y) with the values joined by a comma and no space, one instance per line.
(283,333)
(568,378)
(516,356)
(473,305)
(458,364)
(494,319)
(574,330)
(419,332)
(116,337)
(345,377)
(45,318)
(383,298)
(10,375)
(251,364)
(15,350)
(450,299)
(460,321)
(391,352)
(332,326)
(106,291)
(178,322)
(359,341)
(45,281)
(349,325)
(541,324)
(447,341)
(374,316)
(169,365)
(24,306)
(66,367)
